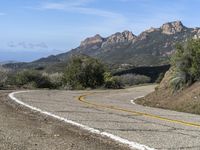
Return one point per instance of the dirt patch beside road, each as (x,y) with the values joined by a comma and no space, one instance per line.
(187,100)
(25,130)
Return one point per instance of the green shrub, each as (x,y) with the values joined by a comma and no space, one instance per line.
(3,78)
(11,79)
(178,81)
(186,61)
(83,72)
(43,82)
(111,82)
(30,79)
(55,79)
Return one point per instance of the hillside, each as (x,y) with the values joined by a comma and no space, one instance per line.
(186,100)
(180,88)
(150,48)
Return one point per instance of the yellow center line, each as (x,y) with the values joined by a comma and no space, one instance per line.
(82,99)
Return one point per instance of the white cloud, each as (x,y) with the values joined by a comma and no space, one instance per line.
(137,21)
(111,21)
(53,6)
(26,45)
(64,4)
(80,6)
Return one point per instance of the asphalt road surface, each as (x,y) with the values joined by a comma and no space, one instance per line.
(114,111)
(22,129)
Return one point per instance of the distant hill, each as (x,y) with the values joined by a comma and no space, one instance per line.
(150,48)
(7,62)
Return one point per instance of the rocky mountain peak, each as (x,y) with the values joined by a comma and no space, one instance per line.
(172,27)
(98,36)
(121,37)
(128,35)
(97,39)
(144,35)
(118,38)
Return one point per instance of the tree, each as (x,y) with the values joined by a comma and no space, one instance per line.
(194,49)
(111,82)
(3,76)
(30,78)
(83,72)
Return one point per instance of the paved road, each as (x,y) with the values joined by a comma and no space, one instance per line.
(22,129)
(111,111)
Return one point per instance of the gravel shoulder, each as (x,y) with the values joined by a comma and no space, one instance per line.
(21,129)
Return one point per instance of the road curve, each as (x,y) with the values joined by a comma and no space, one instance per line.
(23,129)
(110,113)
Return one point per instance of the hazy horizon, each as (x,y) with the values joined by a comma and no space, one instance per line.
(34,29)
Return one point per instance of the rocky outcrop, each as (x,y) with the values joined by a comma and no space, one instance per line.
(166,81)
(172,27)
(125,37)
(197,33)
(96,40)
(142,36)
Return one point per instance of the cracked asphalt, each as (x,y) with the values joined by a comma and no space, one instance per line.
(176,131)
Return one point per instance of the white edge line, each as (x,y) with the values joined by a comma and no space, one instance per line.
(130,144)
(133,100)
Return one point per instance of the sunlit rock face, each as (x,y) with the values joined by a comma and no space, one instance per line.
(172,27)
(97,39)
(197,33)
(118,39)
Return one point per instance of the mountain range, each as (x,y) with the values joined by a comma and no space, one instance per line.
(150,48)
(7,62)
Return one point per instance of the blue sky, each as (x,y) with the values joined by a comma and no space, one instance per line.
(30,29)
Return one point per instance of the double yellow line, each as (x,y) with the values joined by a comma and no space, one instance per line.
(185,123)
